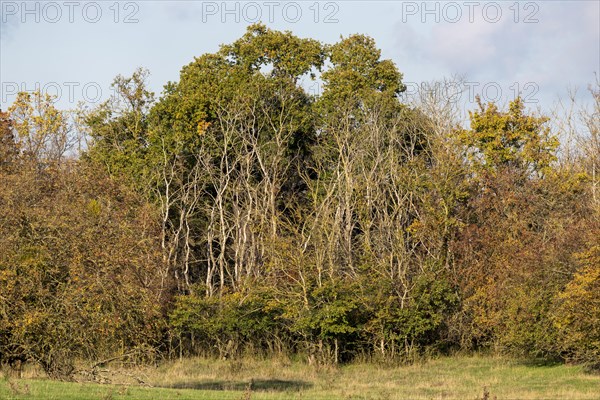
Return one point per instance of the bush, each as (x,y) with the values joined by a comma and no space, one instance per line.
(577,315)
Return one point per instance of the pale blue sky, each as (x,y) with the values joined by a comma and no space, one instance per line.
(538,48)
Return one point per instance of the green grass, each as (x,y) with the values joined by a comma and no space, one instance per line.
(445,378)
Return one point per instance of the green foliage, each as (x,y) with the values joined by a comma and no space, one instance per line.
(403,325)
(357,82)
(333,310)
(226,323)
(499,139)
(119,128)
(357,69)
(287,55)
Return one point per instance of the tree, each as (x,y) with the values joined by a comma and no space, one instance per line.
(119,128)
(43,133)
(239,115)
(524,220)
(9,150)
(79,270)
(509,139)
(577,316)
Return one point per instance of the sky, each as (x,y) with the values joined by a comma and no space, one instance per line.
(74,49)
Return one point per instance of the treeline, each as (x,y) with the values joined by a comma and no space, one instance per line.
(237,213)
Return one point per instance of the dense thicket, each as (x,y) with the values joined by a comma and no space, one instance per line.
(239,213)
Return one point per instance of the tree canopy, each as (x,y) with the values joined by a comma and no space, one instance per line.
(238,211)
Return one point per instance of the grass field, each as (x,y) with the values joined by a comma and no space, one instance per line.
(445,378)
